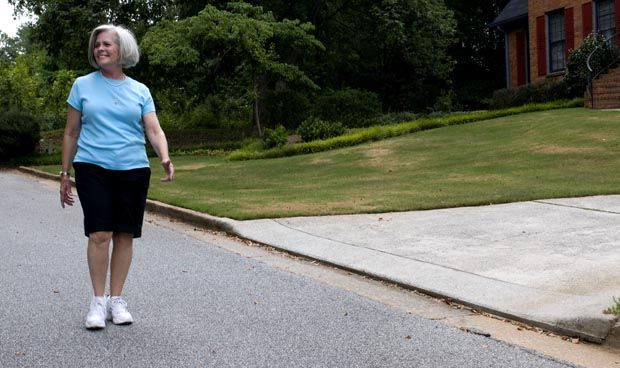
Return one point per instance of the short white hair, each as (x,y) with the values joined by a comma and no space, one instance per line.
(128,51)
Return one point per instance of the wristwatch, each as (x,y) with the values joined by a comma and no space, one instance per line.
(65,173)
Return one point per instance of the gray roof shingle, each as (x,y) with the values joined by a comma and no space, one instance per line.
(516,9)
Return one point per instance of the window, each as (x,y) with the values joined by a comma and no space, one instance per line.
(556,41)
(605,18)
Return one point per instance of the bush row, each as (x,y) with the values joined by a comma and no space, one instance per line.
(379,132)
(548,90)
(19,134)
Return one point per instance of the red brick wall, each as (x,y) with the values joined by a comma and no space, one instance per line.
(538,8)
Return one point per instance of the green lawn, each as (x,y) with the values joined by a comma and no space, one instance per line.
(557,153)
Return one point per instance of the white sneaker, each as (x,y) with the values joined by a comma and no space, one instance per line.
(95,319)
(117,311)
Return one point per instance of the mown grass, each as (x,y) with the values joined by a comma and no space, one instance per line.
(557,153)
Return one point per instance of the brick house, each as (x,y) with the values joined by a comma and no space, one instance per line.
(540,33)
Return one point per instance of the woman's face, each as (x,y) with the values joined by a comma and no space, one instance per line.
(106,49)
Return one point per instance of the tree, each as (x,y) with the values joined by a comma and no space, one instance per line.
(396,48)
(479,52)
(9,48)
(63,26)
(240,44)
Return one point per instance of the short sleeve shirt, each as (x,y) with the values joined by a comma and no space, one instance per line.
(112,133)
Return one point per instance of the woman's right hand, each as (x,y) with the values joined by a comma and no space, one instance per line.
(66,195)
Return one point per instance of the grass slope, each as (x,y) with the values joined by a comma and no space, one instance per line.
(558,153)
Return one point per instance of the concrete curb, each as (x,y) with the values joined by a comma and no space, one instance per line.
(525,305)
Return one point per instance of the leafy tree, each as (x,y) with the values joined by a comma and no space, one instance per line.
(63,26)
(478,52)
(9,48)
(23,82)
(396,48)
(240,44)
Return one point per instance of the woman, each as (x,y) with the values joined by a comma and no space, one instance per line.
(107,117)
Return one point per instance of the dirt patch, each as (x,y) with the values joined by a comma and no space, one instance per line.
(320,161)
(191,167)
(601,136)
(322,208)
(553,150)
(377,152)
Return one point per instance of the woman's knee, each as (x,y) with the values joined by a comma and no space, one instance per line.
(100,238)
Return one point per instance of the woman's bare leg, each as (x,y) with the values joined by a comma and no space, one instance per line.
(121,260)
(98,257)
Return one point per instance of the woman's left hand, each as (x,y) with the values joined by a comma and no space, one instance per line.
(169,169)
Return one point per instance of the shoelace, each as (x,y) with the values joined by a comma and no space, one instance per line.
(118,303)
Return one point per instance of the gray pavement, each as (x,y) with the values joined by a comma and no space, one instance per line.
(198,305)
(552,263)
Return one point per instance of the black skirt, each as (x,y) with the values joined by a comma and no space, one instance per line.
(112,200)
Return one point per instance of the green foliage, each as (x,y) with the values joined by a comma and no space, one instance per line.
(238,46)
(37,160)
(615,307)
(216,111)
(396,48)
(354,108)
(19,134)
(55,98)
(378,132)
(546,91)
(287,106)
(62,26)
(479,52)
(10,47)
(22,82)
(314,128)
(396,117)
(275,137)
(577,72)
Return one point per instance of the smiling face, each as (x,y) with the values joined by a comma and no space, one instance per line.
(105,50)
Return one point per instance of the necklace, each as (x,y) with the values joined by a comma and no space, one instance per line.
(119,82)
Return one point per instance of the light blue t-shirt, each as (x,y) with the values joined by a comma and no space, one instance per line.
(112,134)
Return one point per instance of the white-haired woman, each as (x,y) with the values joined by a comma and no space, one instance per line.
(107,118)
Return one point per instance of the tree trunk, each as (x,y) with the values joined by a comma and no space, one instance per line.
(255,105)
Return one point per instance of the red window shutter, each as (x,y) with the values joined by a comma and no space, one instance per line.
(520,58)
(541,45)
(586,13)
(569,30)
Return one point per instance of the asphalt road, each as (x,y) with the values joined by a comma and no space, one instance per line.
(195,304)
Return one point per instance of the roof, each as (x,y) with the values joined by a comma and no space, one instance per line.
(514,10)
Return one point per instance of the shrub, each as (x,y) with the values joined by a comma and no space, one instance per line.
(275,137)
(354,108)
(546,91)
(396,117)
(287,107)
(577,72)
(314,128)
(37,160)
(19,134)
